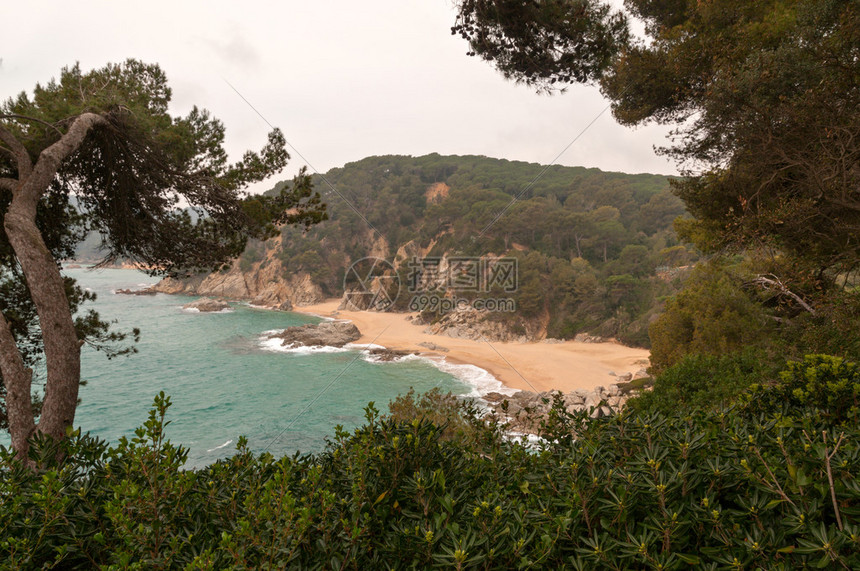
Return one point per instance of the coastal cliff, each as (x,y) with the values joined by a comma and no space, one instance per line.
(583,252)
(265,283)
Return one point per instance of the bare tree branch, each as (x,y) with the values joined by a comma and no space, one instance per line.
(34,120)
(773,283)
(827,458)
(25,165)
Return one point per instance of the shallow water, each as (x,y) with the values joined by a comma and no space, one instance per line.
(224,381)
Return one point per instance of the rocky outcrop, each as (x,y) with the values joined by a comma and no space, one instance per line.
(145,291)
(207,305)
(473,324)
(264,283)
(273,301)
(412,249)
(385,354)
(179,285)
(375,298)
(587,338)
(524,410)
(328,333)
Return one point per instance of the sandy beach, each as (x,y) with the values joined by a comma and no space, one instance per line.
(526,366)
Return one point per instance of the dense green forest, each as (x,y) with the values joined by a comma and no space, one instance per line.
(596,250)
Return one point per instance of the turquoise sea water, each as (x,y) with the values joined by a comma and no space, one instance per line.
(223,380)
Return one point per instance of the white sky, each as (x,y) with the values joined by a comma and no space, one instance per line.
(342,79)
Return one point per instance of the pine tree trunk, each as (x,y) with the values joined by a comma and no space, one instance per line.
(62,348)
(48,292)
(16,379)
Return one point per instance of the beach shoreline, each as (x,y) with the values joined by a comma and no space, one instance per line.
(533,366)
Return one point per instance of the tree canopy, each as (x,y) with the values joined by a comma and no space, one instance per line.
(138,164)
(106,140)
(764,96)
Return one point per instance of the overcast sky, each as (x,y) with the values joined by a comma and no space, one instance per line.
(343,79)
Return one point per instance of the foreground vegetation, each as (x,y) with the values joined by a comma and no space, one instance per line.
(770,484)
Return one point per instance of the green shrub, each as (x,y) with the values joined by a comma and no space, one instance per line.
(703,491)
(712,315)
(829,385)
(457,419)
(709,382)
(833,328)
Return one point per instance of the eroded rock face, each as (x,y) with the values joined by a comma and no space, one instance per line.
(185,285)
(205,305)
(586,338)
(473,324)
(266,283)
(328,333)
(272,303)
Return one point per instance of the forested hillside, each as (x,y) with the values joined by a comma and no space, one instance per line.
(596,250)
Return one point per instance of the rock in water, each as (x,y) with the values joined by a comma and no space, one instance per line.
(328,333)
(206,304)
(385,354)
(145,291)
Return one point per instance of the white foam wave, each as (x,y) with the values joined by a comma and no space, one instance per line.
(277,345)
(481,380)
(531,441)
(369,357)
(195,310)
(220,447)
(364,346)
